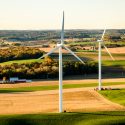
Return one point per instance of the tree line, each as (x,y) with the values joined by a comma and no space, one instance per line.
(48,68)
(18,53)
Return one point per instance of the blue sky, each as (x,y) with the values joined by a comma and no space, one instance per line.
(47,14)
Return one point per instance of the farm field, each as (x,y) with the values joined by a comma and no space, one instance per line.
(117,96)
(84,55)
(74,100)
(78,97)
(114,63)
(88,118)
(116,50)
(105,56)
(118,54)
(20,61)
(105,62)
(53,85)
(61,88)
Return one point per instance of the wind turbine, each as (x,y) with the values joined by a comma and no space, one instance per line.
(101,42)
(60,46)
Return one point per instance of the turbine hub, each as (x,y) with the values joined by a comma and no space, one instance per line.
(99,41)
(59,44)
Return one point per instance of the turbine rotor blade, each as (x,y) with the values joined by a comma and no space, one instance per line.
(62,32)
(103,34)
(49,52)
(109,52)
(73,54)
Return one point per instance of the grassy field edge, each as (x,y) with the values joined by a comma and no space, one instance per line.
(54,87)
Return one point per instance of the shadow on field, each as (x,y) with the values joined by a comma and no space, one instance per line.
(16,122)
(12,91)
(103,114)
(108,72)
(99,118)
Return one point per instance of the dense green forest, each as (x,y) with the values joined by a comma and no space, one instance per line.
(18,53)
(48,68)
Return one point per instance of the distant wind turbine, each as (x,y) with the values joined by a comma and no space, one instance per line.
(60,46)
(101,42)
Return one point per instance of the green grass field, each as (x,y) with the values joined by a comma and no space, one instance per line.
(20,61)
(115,63)
(95,118)
(81,43)
(105,56)
(54,87)
(117,96)
(120,58)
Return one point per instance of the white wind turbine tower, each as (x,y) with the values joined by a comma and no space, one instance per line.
(60,46)
(101,42)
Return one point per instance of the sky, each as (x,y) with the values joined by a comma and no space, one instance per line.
(47,14)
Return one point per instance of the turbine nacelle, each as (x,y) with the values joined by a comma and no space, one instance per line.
(59,44)
(99,40)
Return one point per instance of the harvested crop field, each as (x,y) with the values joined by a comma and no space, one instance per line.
(117,50)
(47,101)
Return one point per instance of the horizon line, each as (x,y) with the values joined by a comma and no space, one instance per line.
(60,29)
